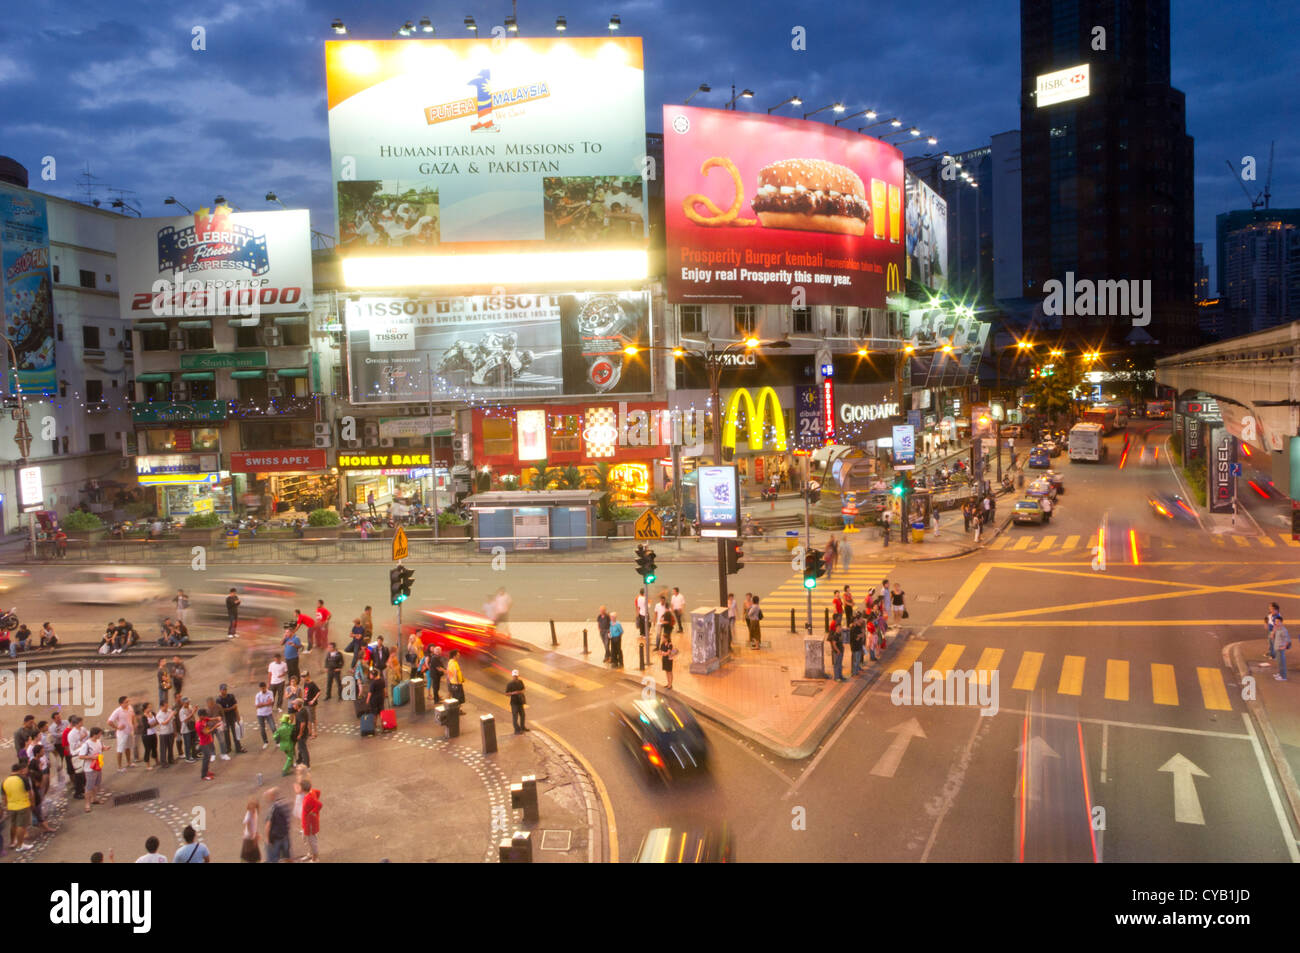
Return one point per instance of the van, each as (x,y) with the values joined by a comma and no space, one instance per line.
(112,585)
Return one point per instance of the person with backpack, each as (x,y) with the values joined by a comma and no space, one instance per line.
(191,852)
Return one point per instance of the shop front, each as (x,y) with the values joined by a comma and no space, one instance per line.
(396,481)
(572,441)
(757,428)
(283,484)
(186,484)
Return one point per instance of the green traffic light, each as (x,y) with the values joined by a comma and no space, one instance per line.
(809,583)
(650,577)
(898,491)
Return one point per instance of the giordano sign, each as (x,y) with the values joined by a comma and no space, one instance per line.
(755,414)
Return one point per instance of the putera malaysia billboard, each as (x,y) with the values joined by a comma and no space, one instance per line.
(28,290)
(215,262)
(926,218)
(758,207)
(460,147)
(495,347)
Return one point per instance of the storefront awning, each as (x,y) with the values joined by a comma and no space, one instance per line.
(250,322)
(195,325)
(198,376)
(153,377)
(290,319)
(150,326)
(248,375)
(291,371)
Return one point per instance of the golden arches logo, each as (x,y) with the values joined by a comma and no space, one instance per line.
(892,281)
(754,417)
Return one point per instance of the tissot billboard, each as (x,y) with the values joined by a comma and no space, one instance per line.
(495,347)
(444,147)
(757,206)
(228,261)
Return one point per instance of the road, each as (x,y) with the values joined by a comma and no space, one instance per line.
(1119,734)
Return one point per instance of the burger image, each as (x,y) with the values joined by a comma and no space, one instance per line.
(812,195)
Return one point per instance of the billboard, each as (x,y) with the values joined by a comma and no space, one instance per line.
(455,147)
(809,424)
(215,262)
(719,494)
(494,347)
(926,218)
(28,290)
(1222,488)
(757,206)
(904,449)
(1062,85)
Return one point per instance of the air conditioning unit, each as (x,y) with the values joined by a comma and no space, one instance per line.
(385,441)
(324,436)
(176,339)
(274,392)
(271,336)
(352,444)
(370,433)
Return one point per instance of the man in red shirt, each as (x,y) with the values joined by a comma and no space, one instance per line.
(322,625)
(311,805)
(302,620)
(205,725)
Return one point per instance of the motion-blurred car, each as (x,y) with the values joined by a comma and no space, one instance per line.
(11,579)
(1171,506)
(1040,488)
(1040,458)
(662,736)
(1056,479)
(473,634)
(260,597)
(1027,511)
(112,585)
(1010,430)
(669,845)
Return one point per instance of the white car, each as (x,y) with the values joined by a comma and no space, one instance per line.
(112,585)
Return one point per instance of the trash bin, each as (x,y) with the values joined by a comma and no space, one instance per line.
(791,539)
(918,532)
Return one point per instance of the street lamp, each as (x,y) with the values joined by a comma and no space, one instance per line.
(702,88)
(884,122)
(743,94)
(272,197)
(869,113)
(338,27)
(838,107)
(171,200)
(793,101)
(126,207)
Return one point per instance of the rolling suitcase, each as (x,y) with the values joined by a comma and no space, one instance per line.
(401,694)
(388,720)
(360,706)
(367,724)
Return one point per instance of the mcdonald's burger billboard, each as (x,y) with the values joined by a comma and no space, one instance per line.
(758,207)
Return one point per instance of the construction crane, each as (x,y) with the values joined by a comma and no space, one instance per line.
(1267,195)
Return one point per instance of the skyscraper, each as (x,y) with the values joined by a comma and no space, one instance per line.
(1106,159)
(1262,273)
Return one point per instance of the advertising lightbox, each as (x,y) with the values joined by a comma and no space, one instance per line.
(1062,85)
(904,448)
(719,494)
(757,206)
(496,346)
(450,157)
(28,290)
(926,217)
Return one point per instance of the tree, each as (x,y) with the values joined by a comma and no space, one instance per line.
(543,476)
(1053,389)
(571,478)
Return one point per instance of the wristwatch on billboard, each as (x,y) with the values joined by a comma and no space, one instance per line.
(602,323)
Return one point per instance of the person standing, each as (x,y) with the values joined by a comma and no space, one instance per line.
(301,621)
(602,628)
(122,721)
(663,620)
(176,671)
(898,599)
(830,552)
(311,807)
(755,620)
(333,671)
(1281,642)
(887,600)
(857,641)
(844,553)
(166,727)
(837,607)
(191,852)
(934,518)
(642,616)
(182,606)
(358,643)
(149,721)
(367,623)
(204,726)
(264,706)
(848,602)
(668,652)
(301,731)
(276,831)
(615,641)
(188,716)
(232,613)
(322,630)
(164,682)
(232,725)
(278,672)
(678,605)
(89,760)
(1273,616)
(19,804)
(437,669)
(837,651)
(310,696)
(370,504)
(74,736)
(455,678)
(249,852)
(515,689)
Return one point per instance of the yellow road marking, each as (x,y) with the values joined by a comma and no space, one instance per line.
(1286,538)
(1027,673)
(988,662)
(486,694)
(1218,541)
(1071,676)
(580,683)
(1213,692)
(1023,542)
(1164,689)
(1241,540)
(947,659)
(907,655)
(1046,544)
(963,594)
(1117,680)
(1266,541)
(1070,542)
(1092,541)
(1000,542)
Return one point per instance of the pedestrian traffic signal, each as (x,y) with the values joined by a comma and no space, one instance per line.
(395,586)
(735,553)
(645,564)
(813,568)
(408,576)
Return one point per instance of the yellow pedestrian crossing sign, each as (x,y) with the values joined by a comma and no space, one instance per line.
(399,544)
(648,526)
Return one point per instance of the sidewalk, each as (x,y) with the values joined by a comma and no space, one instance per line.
(1275,709)
(761,695)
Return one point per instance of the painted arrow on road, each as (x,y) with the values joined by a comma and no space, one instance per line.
(1039,752)
(1187,804)
(903,735)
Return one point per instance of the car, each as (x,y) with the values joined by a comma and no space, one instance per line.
(1171,506)
(1010,430)
(260,597)
(1053,445)
(1055,478)
(1040,489)
(670,845)
(11,579)
(1040,458)
(112,585)
(471,633)
(662,736)
(1028,511)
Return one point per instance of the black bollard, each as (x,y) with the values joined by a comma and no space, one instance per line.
(488,732)
(523,796)
(792,628)
(584,642)
(640,656)
(554,640)
(826,620)
(448,715)
(517,849)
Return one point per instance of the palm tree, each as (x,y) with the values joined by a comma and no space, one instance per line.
(571,478)
(543,476)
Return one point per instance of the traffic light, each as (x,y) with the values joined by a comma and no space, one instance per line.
(395,586)
(408,576)
(645,564)
(735,553)
(898,486)
(813,568)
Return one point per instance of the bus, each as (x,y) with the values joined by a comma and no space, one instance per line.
(1087,442)
(1110,418)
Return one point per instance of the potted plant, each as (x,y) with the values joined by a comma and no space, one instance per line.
(322,524)
(201,528)
(450,525)
(82,525)
(624,517)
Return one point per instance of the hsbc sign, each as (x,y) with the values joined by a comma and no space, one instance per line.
(862,413)
(1063,85)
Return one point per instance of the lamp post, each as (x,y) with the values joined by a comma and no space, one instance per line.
(23,437)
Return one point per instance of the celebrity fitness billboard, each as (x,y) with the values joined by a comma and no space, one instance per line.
(757,206)
(215,262)
(470,146)
(493,347)
(926,218)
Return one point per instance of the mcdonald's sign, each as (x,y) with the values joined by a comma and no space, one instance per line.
(755,412)
(892,282)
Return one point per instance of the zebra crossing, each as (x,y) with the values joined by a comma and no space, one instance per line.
(1017,540)
(860,576)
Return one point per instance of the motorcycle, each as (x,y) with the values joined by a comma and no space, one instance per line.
(9,620)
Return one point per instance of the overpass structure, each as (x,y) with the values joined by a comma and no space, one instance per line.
(1256,380)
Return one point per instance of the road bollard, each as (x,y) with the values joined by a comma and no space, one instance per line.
(640,655)
(826,620)
(488,731)
(523,797)
(554,640)
(517,849)
(584,642)
(448,715)
(792,628)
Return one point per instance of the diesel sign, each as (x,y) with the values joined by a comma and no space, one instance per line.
(1222,485)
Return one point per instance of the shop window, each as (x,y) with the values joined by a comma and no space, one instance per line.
(206,438)
(498,437)
(277,433)
(89,336)
(199,339)
(154,339)
(87,278)
(156,390)
(801,320)
(841,322)
(746,316)
(202,390)
(294,335)
(246,337)
(98,443)
(690,318)
(253,390)
(94,391)
(565,433)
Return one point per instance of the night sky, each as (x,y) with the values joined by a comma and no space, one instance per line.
(114,86)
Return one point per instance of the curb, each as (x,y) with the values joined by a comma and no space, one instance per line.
(1233,657)
(607,851)
(1187,495)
